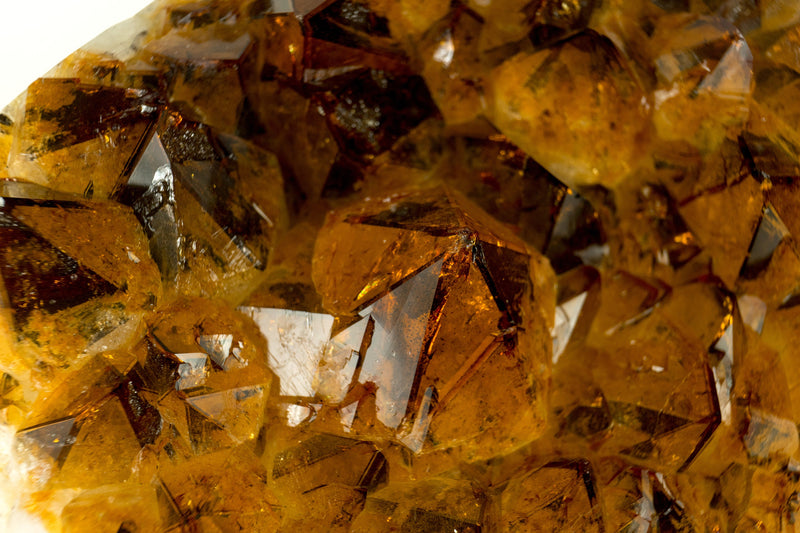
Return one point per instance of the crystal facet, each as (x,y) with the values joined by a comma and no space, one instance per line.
(406,266)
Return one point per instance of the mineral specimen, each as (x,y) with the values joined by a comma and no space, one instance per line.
(407,266)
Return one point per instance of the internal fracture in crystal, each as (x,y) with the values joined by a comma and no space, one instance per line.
(395,266)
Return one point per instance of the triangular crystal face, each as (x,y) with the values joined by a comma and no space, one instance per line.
(154,206)
(52,439)
(296,341)
(567,315)
(415,372)
(686,441)
(716,44)
(345,39)
(158,369)
(205,434)
(239,411)
(192,370)
(105,447)
(436,216)
(80,392)
(753,311)
(218,195)
(577,227)
(143,416)
(219,347)
(81,138)
(342,356)
(507,274)
(770,233)
(562,494)
(200,202)
(648,421)
(401,321)
(329,459)
(372,260)
(8,384)
(90,106)
(152,159)
(732,76)
(37,275)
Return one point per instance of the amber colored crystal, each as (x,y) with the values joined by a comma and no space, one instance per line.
(406,266)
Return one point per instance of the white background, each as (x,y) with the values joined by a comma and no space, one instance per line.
(37,34)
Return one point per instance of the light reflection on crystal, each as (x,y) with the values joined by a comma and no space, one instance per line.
(192,370)
(416,437)
(179,47)
(297,414)
(347,415)
(753,311)
(723,373)
(220,348)
(340,361)
(151,163)
(566,318)
(305,175)
(644,506)
(239,411)
(731,78)
(771,231)
(52,439)
(401,319)
(296,341)
(444,53)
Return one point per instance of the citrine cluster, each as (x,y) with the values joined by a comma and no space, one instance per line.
(407,266)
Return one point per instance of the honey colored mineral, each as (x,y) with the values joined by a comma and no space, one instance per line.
(406,266)
(417,270)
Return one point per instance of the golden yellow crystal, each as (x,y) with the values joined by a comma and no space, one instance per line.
(395,266)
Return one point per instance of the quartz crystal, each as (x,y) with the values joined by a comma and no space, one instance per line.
(407,266)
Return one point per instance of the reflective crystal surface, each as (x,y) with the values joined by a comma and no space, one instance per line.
(406,266)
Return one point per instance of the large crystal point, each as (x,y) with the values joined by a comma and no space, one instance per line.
(419,268)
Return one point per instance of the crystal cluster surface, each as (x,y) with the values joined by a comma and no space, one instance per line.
(407,266)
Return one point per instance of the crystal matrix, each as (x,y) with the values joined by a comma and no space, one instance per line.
(377,266)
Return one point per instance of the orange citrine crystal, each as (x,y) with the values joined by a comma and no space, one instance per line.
(406,266)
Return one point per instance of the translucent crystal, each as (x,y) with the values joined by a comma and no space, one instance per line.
(412,265)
